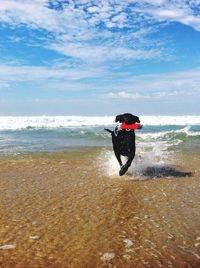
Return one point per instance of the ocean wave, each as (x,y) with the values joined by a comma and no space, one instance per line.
(184,120)
(49,122)
(169,135)
(23,122)
(188,132)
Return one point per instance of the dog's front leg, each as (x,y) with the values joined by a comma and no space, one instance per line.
(125,167)
(118,156)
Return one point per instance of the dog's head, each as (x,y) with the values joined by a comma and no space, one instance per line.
(127,118)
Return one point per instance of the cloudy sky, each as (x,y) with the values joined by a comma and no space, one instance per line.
(99,57)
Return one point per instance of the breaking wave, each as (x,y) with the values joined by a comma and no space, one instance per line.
(23,122)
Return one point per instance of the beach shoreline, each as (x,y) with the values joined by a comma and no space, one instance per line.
(60,209)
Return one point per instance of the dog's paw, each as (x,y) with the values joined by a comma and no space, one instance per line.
(123,170)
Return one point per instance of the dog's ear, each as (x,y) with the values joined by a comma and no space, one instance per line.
(137,120)
(119,118)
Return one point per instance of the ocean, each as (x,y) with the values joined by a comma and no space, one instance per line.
(54,133)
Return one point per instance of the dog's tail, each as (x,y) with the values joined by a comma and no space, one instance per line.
(110,131)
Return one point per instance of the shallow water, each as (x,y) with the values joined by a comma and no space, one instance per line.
(63,210)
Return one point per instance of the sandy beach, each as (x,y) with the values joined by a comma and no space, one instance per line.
(60,210)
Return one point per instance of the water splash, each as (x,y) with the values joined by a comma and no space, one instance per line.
(156,156)
(108,163)
(145,157)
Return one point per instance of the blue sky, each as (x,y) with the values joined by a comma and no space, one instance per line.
(99,57)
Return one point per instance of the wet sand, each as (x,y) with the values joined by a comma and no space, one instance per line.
(59,210)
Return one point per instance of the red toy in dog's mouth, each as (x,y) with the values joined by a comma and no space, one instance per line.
(130,126)
(126,127)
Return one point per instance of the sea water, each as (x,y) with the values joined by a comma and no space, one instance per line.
(53,133)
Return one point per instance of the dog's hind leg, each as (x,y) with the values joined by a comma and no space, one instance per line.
(125,167)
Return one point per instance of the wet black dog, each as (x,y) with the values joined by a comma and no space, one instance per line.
(124,141)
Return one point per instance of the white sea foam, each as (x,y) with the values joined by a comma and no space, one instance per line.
(14,123)
(22,122)
(108,256)
(187,131)
(184,120)
(128,243)
(153,135)
(165,135)
(9,246)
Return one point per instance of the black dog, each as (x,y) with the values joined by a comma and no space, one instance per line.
(124,141)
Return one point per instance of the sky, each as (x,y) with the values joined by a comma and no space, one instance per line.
(99,57)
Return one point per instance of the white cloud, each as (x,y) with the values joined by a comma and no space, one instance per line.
(38,14)
(125,95)
(178,11)
(4,85)
(98,37)
(158,86)
(33,14)
(168,14)
(76,32)
(99,54)
(54,78)
(151,96)
(101,80)
(177,81)
(93,9)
